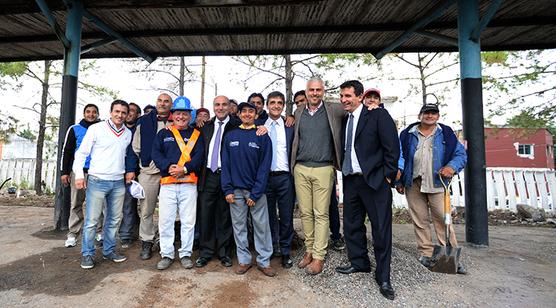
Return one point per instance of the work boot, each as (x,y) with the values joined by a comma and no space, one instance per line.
(307,258)
(146,251)
(315,267)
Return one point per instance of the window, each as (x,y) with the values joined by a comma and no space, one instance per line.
(524,149)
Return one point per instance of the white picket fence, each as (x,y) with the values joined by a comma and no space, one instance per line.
(22,170)
(506,187)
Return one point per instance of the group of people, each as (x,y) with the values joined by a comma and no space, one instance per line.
(240,173)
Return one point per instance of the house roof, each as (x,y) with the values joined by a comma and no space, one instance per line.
(237,27)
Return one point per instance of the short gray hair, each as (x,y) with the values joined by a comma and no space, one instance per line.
(315,79)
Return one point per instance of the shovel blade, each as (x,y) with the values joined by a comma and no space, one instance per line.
(445,259)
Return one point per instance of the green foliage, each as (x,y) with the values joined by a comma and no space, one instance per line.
(8,126)
(495,57)
(27,133)
(529,119)
(24,184)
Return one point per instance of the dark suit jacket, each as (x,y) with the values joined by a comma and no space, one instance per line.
(207,131)
(376,145)
(335,114)
(289,141)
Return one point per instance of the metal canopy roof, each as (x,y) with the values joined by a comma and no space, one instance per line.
(235,27)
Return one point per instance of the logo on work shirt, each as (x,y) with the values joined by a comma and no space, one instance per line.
(234,143)
(253,145)
(169,139)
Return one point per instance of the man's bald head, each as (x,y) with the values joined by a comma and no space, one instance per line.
(163,104)
(220,106)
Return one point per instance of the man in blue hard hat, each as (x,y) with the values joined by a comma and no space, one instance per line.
(178,153)
(149,177)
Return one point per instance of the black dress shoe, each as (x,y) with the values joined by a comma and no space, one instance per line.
(348,269)
(226,261)
(201,262)
(386,290)
(287,261)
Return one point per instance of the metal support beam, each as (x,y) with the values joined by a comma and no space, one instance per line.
(476,214)
(97,44)
(52,22)
(69,101)
(434,14)
(439,37)
(494,6)
(127,43)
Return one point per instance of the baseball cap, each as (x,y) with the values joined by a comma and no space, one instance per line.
(428,108)
(136,190)
(371,90)
(246,105)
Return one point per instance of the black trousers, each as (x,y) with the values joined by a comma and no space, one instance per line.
(361,200)
(334,215)
(216,223)
(280,198)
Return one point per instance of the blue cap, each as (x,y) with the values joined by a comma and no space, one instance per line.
(246,105)
(181,103)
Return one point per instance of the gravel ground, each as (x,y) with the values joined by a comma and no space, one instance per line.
(407,275)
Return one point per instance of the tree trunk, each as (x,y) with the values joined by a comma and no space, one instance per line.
(422,75)
(289,82)
(182,76)
(42,127)
(203,76)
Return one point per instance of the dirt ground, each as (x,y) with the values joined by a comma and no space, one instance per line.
(518,269)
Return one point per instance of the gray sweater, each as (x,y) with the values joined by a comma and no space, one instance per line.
(315,140)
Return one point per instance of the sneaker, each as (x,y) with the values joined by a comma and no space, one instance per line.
(164,263)
(71,241)
(186,262)
(425,261)
(114,257)
(461,269)
(339,244)
(98,237)
(87,262)
(126,243)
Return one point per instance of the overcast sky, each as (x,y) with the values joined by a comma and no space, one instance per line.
(225,77)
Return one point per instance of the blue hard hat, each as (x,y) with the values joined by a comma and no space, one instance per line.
(181,103)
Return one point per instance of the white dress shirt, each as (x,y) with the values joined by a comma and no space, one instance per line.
(282,147)
(211,145)
(354,161)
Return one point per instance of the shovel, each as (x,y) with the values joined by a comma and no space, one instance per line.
(445,259)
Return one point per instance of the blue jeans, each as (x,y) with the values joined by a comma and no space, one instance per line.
(130,218)
(263,239)
(98,191)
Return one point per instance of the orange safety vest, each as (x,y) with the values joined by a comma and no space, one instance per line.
(184,158)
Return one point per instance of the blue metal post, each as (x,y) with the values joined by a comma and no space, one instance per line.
(68,106)
(476,214)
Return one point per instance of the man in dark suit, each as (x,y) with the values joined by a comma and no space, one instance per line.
(280,190)
(369,165)
(215,221)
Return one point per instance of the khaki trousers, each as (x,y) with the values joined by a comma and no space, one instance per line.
(77,197)
(419,206)
(151,185)
(313,186)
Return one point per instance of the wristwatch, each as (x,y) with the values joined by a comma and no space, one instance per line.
(184,169)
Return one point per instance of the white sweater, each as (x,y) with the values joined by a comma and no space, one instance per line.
(107,148)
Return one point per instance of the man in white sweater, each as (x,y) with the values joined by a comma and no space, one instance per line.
(106,143)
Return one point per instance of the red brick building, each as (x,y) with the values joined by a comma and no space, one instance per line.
(519,148)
